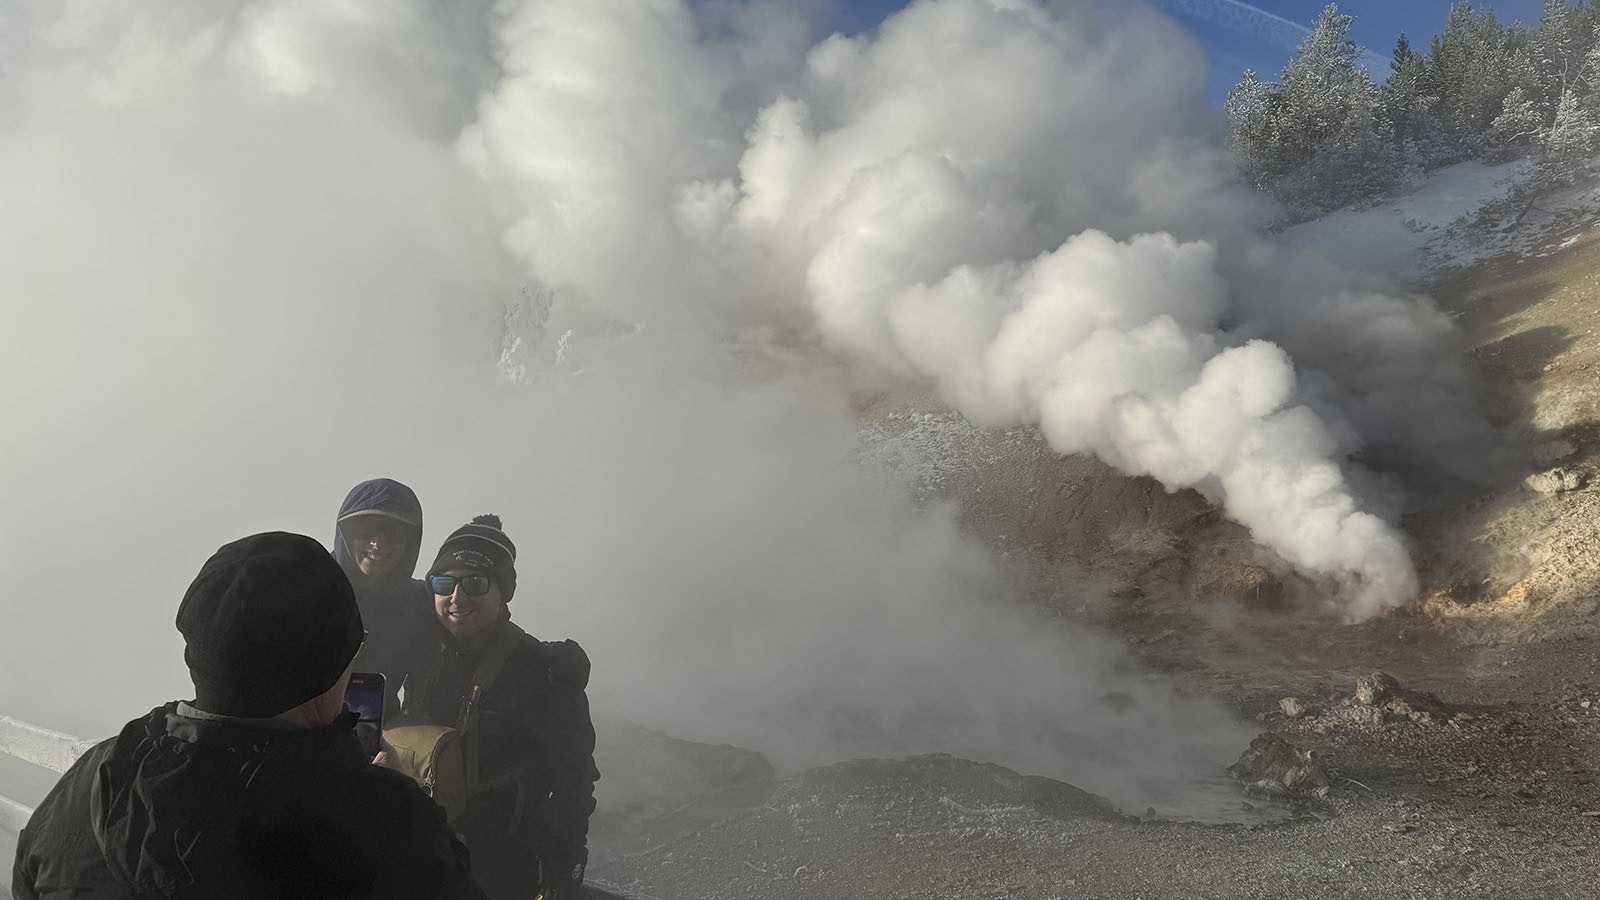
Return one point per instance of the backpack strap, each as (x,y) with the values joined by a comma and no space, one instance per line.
(483,677)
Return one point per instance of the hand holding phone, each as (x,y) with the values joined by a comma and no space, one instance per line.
(364,697)
(388,757)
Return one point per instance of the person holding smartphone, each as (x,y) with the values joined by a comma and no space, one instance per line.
(258,787)
(520,706)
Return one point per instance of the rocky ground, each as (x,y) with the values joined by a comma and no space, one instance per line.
(1423,798)
(1471,768)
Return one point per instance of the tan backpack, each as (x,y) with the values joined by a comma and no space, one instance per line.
(443,759)
(434,756)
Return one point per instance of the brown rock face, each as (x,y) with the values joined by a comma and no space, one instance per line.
(1249,585)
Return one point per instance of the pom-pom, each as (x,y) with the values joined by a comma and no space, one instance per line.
(489,519)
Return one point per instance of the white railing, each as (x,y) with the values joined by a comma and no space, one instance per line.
(48,749)
(42,747)
(52,750)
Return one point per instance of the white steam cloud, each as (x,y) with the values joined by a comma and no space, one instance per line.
(1030,217)
(259,251)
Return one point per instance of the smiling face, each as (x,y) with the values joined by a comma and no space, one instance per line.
(465,616)
(378,543)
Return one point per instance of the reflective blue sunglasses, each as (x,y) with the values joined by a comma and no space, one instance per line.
(471,585)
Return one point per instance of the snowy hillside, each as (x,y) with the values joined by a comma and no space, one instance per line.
(1458,216)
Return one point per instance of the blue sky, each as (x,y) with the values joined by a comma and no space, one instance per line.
(1262,35)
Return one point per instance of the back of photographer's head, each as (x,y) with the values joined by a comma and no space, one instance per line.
(269,623)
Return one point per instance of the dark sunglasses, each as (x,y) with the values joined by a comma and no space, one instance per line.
(471,585)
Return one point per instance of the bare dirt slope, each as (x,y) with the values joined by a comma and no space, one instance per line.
(1525,561)
(1479,776)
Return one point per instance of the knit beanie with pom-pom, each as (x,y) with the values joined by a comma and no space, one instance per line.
(480,546)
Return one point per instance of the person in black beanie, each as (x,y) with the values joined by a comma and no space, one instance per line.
(257,788)
(520,705)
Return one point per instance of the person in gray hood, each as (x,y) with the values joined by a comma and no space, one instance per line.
(258,787)
(377,537)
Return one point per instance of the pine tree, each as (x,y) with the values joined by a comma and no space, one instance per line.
(1251,129)
(1574,135)
(1468,71)
(1519,125)
(1589,74)
(1319,139)
(1554,52)
(1317,86)
(1571,137)
(1585,21)
(1403,54)
(1408,108)
(1362,158)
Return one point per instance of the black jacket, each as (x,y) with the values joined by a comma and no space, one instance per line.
(184,807)
(535,746)
(397,610)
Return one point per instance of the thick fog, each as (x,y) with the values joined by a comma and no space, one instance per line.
(602,268)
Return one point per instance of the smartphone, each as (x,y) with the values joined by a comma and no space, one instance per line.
(364,697)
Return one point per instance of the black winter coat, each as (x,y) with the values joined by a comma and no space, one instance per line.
(535,745)
(185,807)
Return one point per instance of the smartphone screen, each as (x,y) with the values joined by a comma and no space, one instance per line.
(364,697)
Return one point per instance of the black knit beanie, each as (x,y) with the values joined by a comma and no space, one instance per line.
(480,545)
(269,623)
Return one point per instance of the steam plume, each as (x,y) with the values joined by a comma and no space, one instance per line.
(264,250)
(1032,218)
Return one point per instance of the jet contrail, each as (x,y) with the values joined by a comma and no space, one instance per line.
(1255,22)
(1243,18)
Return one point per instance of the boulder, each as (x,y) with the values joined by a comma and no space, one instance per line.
(1555,481)
(1372,690)
(1278,770)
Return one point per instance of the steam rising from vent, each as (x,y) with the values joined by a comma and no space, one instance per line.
(259,252)
(1031,217)
(918,244)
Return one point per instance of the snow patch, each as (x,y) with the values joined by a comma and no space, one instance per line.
(1458,216)
(1396,235)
